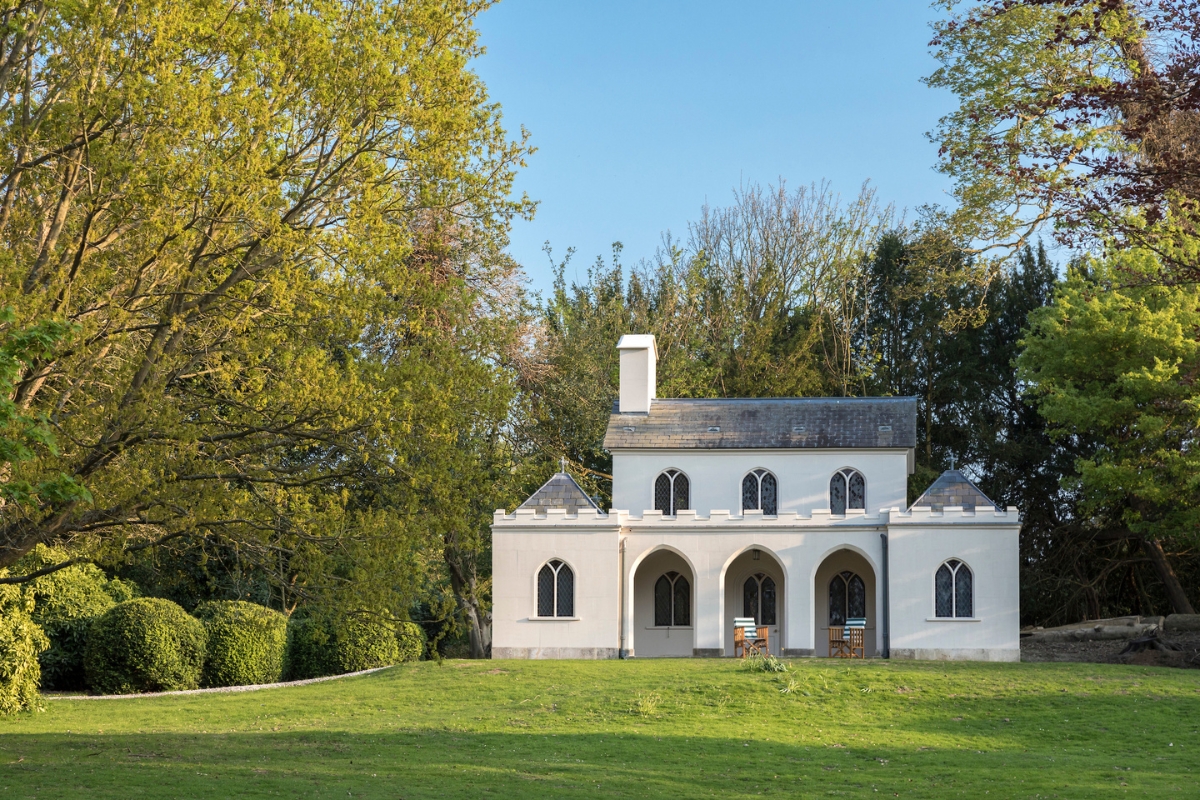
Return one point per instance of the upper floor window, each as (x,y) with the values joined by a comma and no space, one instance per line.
(954,590)
(759,491)
(672,600)
(847,489)
(671,492)
(847,598)
(556,590)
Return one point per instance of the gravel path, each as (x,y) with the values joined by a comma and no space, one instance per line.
(253,688)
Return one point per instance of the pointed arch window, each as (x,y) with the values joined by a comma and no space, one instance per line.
(954,590)
(847,598)
(556,590)
(672,601)
(847,489)
(758,599)
(671,493)
(760,491)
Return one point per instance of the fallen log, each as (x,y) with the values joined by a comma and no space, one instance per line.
(1150,642)
(1094,633)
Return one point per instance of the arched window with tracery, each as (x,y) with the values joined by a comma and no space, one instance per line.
(847,598)
(760,492)
(556,590)
(847,489)
(672,600)
(671,492)
(954,590)
(758,599)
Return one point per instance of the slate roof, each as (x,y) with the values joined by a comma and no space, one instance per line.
(785,422)
(952,488)
(561,491)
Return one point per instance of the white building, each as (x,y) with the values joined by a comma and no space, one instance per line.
(790,510)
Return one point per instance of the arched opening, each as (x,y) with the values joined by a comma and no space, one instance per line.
(754,587)
(664,606)
(844,589)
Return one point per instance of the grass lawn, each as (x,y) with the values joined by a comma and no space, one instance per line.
(663,728)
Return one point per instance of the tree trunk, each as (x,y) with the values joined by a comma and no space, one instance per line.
(479,622)
(1179,601)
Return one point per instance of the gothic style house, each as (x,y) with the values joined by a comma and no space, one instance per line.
(791,511)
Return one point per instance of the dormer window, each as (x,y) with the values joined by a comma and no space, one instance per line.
(671,493)
(760,492)
(847,489)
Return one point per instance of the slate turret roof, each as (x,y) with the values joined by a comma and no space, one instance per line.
(561,491)
(784,422)
(952,488)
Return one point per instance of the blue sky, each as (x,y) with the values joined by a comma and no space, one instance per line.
(644,111)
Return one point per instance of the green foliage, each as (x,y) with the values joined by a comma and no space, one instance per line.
(410,637)
(21,640)
(1120,364)
(25,435)
(65,603)
(144,645)
(246,643)
(323,646)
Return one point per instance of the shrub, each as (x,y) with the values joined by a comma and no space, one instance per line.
(319,647)
(64,605)
(144,645)
(411,638)
(20,642)
(246,643)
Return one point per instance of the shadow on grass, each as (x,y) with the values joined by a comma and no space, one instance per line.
(430,764)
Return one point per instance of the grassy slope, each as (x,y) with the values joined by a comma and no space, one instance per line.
(678,728)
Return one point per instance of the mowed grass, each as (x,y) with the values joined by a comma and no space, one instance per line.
(664,728)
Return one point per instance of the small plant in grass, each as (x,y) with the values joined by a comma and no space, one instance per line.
(144,645)
(645,705)
(246,643)
(766,663)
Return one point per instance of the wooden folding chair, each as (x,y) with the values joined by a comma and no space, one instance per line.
(748,637)
(855,633)
(839,644)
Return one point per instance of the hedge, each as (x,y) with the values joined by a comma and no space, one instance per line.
(411,638)
(246,643)
(65,603)
(318,647)
(144,645)
(21,639)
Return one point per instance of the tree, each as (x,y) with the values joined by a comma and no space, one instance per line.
(232,204)
(1120,364)
(1080,113)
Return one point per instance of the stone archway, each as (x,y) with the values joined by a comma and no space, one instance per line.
(664,598)
(754,587)
(844,587)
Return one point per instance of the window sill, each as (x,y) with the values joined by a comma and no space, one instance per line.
(953,619)
(668,627)
(553,619)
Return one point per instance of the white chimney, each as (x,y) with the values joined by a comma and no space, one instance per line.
(639,357)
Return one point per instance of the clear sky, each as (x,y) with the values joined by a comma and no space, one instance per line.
(644,111)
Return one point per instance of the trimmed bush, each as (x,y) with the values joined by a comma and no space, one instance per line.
(144,645)
(318,647)
(246,643)
(20,642)
(411,638)
(65,603)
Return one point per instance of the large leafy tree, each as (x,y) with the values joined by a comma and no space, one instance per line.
(234,206)
(1083,114)
(1119,365)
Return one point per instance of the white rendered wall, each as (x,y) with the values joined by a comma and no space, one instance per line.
(986,541)
(518,553)
(715,477)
